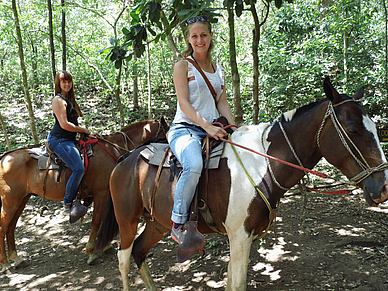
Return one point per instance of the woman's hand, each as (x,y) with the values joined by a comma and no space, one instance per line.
(215,132)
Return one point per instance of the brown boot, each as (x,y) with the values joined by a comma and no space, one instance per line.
(77,211)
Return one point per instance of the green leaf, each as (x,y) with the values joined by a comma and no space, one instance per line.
(118,64)
(278,3)
(239,9)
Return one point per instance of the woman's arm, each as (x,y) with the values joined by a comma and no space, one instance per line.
(59,109)
(224,108)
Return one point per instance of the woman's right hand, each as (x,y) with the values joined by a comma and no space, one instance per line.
(215,132)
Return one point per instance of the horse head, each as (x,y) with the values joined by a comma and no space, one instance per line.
(352,144)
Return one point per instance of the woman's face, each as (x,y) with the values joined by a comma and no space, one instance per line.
(200,37)
(65,85)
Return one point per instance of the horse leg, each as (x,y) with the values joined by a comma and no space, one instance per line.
(12,254)
(152,233)
(240,246)
(98,212)
(124,257)
(8,210)
(3,256)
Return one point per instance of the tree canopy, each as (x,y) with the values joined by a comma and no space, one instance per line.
(121,55)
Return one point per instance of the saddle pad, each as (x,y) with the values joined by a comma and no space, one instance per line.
(154,153)
(42,155)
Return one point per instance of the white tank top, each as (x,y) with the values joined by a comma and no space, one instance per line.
(200,96)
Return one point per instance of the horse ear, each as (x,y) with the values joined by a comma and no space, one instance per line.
(359,94)
(330,92)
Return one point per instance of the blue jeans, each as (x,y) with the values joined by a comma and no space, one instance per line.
(69,154)
(185,143)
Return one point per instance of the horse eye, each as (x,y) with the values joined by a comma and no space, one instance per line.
(352,129)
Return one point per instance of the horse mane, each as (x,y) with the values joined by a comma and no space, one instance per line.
(136,124)
(301,111)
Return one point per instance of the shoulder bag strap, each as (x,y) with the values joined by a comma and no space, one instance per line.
(205,78)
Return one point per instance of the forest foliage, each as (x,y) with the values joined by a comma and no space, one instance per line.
(122,53)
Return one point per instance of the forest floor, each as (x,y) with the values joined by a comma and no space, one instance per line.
(340,245)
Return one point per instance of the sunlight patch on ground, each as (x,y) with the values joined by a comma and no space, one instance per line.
(39,281)
(354,231)
(268,270)
(383,208)
(16,279)
(216,285)
(276,253)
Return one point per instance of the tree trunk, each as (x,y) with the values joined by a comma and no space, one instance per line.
(255,47)
(149,80)
(117,97)
(238,114)
(135,85)
(3,127)
(51,35)
(170,41)
(24,73)
(386,46)
(345,51)
(63,35)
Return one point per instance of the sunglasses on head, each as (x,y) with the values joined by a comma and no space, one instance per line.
(200,18)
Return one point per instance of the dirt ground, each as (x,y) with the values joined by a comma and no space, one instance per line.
(341,245)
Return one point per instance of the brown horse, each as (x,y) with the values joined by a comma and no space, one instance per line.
(336,128)
(20,177)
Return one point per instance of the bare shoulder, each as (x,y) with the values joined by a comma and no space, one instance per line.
(58,101)
(181,66)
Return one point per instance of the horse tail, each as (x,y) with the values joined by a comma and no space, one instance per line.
(109,228)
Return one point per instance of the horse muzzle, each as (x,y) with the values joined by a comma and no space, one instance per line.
(376,188)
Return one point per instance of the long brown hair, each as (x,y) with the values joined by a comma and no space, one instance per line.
(189,49)
(64,75)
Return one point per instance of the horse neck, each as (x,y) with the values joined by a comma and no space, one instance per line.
(301,130)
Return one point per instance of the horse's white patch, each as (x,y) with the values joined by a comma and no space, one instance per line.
(370,126)
(242,191)
(289,115)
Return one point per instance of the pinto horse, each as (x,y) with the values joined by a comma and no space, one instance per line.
(20,177)
(336,128)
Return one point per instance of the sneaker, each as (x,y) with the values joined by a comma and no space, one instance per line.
(67,208)
(177,232)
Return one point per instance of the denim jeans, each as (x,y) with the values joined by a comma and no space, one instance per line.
(185,143)
(69,154)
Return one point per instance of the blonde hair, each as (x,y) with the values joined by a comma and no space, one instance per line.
(189,49)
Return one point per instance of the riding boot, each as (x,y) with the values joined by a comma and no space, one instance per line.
(77,211)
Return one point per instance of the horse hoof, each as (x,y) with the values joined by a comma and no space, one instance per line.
(5,267)
(92,258)
(107,248)
(19,262)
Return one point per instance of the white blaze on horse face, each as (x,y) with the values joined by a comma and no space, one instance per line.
(242,191)
(371,127)
(289,115)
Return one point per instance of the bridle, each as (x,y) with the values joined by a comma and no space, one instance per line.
(367,170)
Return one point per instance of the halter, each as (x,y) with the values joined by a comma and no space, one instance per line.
(344,137)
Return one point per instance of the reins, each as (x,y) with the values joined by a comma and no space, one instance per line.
(344,137)
(367,170)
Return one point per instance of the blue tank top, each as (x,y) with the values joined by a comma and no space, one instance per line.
(72,117)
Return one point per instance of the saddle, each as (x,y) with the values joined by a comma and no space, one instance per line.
(160,155)
(48,160)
